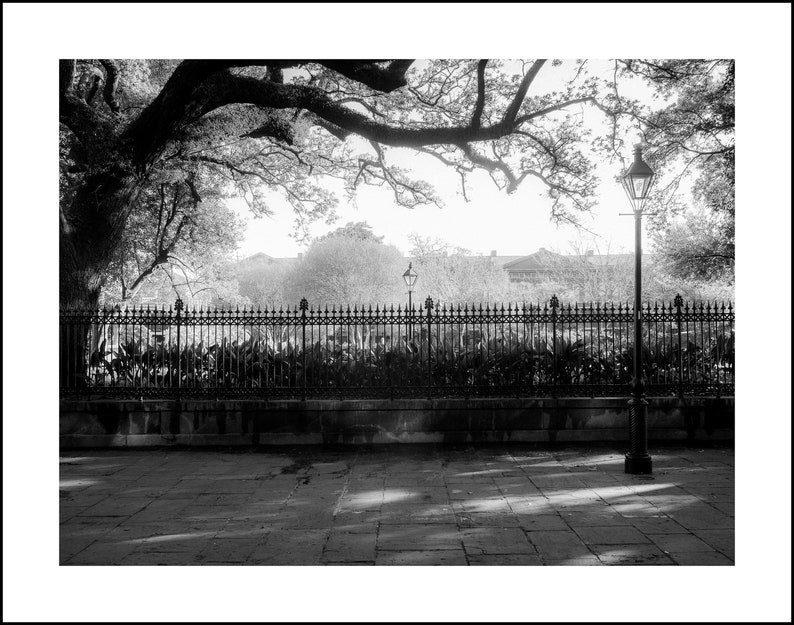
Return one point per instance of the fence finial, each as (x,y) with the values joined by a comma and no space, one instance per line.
(304,304)
(554,302)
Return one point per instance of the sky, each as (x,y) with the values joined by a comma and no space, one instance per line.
(513,225)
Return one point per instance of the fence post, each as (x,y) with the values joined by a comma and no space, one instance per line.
(720,356)
(732,361)
(554,303)
(679,302)
(303,306)
(712,324)
(429,307)
(178,305)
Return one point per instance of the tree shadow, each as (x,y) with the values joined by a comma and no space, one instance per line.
(397,507)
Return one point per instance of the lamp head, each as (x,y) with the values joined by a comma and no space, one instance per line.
(410,276)
(637,180)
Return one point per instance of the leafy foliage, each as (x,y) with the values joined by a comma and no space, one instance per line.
(693,133)
(350,265)
(699,246)
(472,358)
(359,230)
(451,274)
(177,234)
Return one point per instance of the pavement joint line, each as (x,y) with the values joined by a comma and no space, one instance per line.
(345,487)
(490,498)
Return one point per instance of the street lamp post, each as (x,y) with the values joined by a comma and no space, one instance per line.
(637,184)
(410,277)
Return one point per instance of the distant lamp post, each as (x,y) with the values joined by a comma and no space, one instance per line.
(637,183)
(410,277)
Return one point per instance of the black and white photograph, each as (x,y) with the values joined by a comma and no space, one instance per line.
(420,304)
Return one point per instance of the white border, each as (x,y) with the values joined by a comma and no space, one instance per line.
(35,36)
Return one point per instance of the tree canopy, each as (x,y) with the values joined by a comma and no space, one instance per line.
(349,266)
(176,234)
(264,127)
(359,230)
(281,125)
(693,133)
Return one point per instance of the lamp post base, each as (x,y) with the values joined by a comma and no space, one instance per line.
(638,465)
(638,460)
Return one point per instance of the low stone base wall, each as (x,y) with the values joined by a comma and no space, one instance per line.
(108,423)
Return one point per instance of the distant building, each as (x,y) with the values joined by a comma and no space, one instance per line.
(545,265)
(541,266)
(537,267)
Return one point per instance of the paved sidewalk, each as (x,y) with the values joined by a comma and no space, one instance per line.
(397,505)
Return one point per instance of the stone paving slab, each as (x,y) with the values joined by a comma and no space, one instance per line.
(396,505)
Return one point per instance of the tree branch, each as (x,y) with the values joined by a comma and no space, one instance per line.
(158,233)
(199,87)
(491,165)
(231,89)
(554,107)
(274,128)
(94,130)
(518,99)
(133,288)
(111,83)
(92,91)
(384,79)
(66,69)
(332,129)
(478,107)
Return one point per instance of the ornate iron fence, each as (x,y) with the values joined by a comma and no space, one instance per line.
(432,351)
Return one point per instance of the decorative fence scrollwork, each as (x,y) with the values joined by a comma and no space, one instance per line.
(553,349)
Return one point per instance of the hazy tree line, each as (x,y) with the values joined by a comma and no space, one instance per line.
(352,266)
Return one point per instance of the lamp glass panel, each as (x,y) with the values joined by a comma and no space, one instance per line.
(628,186)
(639,186)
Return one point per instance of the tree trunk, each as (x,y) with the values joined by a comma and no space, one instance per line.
(90,232)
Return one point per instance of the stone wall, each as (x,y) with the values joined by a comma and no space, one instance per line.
(109,423)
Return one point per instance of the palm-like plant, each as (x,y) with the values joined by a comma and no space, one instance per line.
(359,355)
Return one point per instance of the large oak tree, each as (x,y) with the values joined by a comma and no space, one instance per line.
(280,125)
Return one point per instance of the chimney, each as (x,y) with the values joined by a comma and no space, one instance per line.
(300,256)
(493,252)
